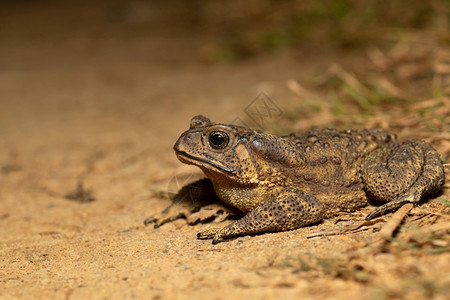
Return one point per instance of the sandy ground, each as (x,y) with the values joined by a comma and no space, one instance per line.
(84,100)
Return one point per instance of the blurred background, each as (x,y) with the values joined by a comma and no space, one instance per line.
(77,72)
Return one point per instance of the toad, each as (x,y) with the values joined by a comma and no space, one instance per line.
(284,183)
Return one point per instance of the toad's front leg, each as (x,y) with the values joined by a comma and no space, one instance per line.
(190,198)
(291,210)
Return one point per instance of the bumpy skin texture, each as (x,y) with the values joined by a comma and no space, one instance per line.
(283,183)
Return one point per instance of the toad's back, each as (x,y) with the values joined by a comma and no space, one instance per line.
(332,164)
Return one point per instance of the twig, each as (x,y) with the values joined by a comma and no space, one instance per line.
(387,231)
(364,225)
(295,87)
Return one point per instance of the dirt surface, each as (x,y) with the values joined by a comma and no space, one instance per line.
(90,110)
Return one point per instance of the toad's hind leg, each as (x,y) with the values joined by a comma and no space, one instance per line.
(405,174)
(291,210)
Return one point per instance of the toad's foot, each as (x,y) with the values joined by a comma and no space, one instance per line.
(393,205)
(188,200)
(211,234)
(171,213)
(291,210)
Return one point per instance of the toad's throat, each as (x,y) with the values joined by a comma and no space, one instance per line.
(190,159)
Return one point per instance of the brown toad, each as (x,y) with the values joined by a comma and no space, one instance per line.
(283,183)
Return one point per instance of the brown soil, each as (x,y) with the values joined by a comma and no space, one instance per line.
(90,109)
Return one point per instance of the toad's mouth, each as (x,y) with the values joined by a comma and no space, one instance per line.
(203,162)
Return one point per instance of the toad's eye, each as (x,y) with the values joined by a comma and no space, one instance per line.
(218,139)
